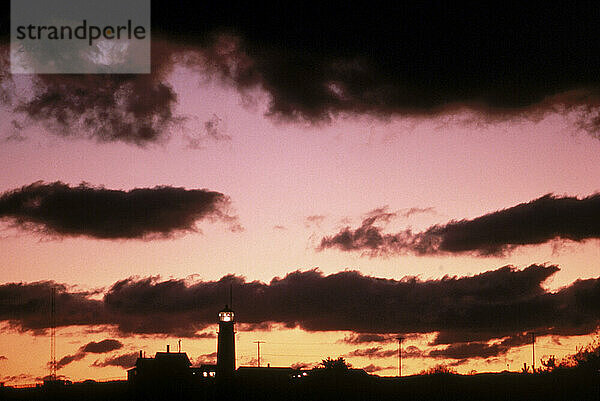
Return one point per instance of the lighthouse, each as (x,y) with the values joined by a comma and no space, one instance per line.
(226,344)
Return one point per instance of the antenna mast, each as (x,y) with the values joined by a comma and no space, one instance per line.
(53,335)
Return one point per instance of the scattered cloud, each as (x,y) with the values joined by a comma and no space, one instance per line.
(213,130)
(209,359)
(249,361)
(304,365)
(57,209)
(314,220)
(416,210)
(362,338)
(542,220)
(475,349)
(374,352)
(20,378)
(100,347)
(131,108)
(205,335)
(374,368)
(68,359)
(124,361)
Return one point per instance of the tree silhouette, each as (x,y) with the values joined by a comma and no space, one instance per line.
(587,358)
(335,364)
(438,369)
(550,363)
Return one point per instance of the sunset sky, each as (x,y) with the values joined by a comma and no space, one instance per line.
(355,174)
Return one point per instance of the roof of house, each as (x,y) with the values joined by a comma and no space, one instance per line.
(172,357)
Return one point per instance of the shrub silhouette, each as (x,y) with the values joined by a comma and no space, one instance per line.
(335,364)
(439,369)
(587,358)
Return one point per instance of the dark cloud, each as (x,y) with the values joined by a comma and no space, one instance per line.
(379,352)
(469,350)
(317,62)
(206,335)
(382,214)
(406,59)
(495,308)
(496,303)
(18,379)
(68,359)
(27,306)
(412,352)
(374,368)
(363,338)
(93,347)
(132,108)
(124,361)
(461,349)
(57,209)
(495,234)
(136,108)
(374,352)
(102,347)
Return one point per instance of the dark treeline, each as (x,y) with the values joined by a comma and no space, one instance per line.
(568,384)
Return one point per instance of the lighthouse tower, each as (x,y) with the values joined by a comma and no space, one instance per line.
(226,344)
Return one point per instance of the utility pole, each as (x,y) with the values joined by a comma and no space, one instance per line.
(400,339)
(258,343)
(533,351)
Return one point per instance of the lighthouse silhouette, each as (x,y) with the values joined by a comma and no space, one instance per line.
(226,344)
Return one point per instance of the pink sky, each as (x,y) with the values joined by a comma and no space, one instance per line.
(278,174)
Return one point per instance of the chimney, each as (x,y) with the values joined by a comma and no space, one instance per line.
(167,348)
(141,356)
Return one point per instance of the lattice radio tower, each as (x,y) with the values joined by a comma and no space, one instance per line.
(53,335)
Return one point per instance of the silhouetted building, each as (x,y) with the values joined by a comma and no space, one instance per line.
(226,344)
(266,375)
(170,369)
(204,372)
